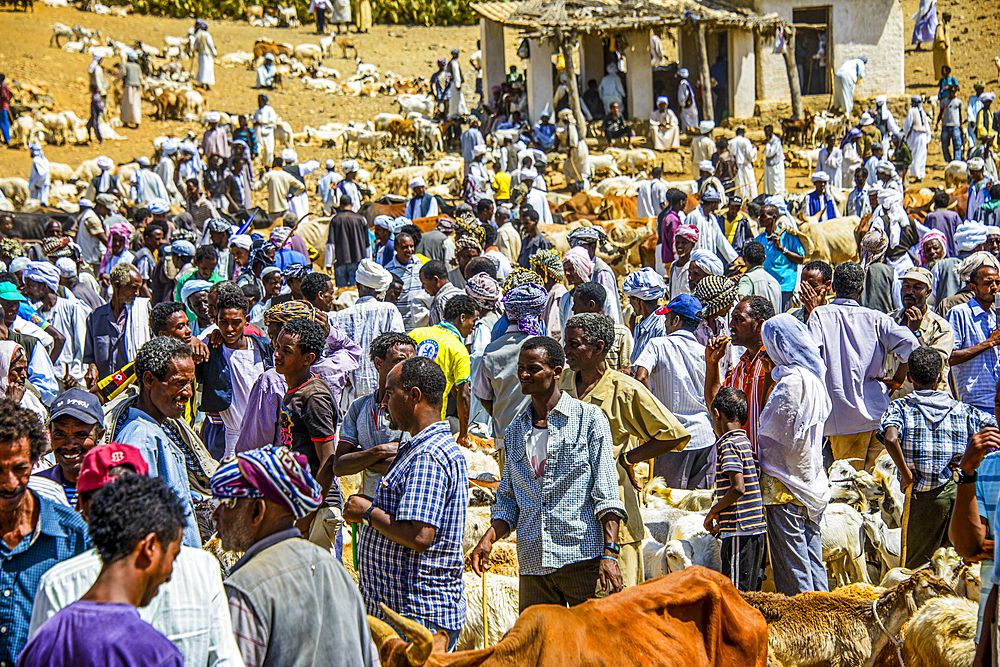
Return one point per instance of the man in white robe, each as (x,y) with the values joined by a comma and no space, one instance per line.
(536,198)
(664,126)
(456,103)
(885,121)
(165,169)
(651,195)
(710,234)
(702,147)
(917,134)
(845,80)
(264,120)
(774,163)
(299,204)
(204,49)
(39,180)
(687,102)
(611,89)
(830,160)
(745,154)
(267,72)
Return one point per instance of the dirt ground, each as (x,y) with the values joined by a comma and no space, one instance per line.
(404,50)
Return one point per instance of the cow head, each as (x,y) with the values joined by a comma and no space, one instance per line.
(426,648)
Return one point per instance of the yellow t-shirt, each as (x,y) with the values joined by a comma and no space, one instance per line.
(444,345)
(501,185)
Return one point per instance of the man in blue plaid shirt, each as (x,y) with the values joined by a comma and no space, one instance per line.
(411,538)
(925,433)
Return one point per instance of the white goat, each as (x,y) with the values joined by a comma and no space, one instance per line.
(502,609)
(887,540)
(843,548)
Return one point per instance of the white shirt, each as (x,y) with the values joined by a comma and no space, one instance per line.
(538,449)
(676,365)
(536,199)
(245,366)
(504,266)
(854,342)
(69,317)
(191,609)
(363,322)
(650,198)
(710,235)
(265,119)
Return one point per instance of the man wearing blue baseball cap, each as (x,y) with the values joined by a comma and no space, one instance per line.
(673,367)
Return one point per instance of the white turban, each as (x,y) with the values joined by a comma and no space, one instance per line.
(820,176)
(612,68)
(330,164)
(158,205)
(42,272)
(66,267)
(289,155)
(418,182)
(105,164)
(977,164)
(241,241)
(662,99)
(528,174)
(478,150)
(383,221)
(708,262)
(372,274)
(683,73)
(349,165)
(143,161)
(169,147)
(881,99)
(706,165)
(213,116)
(987,97)
(973,262)
(18,264)
(706,126)
(992,230)
(970,235)
(866,119)
(885,167)
(645,284)
(193,286)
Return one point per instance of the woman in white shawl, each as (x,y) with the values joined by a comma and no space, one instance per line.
(917,134)
(611,89)
(14,375)
(165,170)
(39,181)
(687,102)
(793,481)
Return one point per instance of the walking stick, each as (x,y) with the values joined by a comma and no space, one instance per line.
(486,620)
(905,520)
(354,544)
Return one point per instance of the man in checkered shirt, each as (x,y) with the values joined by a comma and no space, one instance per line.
(925,433)
(411,538)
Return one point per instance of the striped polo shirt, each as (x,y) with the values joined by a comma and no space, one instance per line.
(746,517)
(750,376)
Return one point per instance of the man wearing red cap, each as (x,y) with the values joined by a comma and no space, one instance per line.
(191,609)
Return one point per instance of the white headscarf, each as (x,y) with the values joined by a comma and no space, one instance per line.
(8,349)
(372,274)
(708,261)
(790,437)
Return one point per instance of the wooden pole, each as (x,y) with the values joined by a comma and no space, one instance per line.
(566,44)
(758,65)
(793,73)
(708,112)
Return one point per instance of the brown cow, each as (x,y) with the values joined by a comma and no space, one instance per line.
(616,207)
(580,206)
(265,46)
(694,617)
(401,129)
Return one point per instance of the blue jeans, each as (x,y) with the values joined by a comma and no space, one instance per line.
(5,126)
(343,274)
(796,550)
(951,139)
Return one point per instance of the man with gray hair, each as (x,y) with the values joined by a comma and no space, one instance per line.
(116,330)
(152,422)
(854,342)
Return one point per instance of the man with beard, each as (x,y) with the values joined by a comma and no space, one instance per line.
(116,330)
(931,329)
(290,600)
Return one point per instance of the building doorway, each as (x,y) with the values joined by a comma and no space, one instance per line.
(812,49)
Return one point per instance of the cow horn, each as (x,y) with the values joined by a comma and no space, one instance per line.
(423,640)
(381,631)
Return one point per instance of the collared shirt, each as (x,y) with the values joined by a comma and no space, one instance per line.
(934,332)
(710,235)
(441,300)
(413,302)
(528,248)
(854,342)
(59,535)
(636,417)
(365,426)
(987,492)
(363,322)
(426,482)
(649,328)
(776,263)
(751,375)
(932,449)
(496,379)
(105,342)
(191,609)
(676,365)
(165,459)
(976,379)
(558,516)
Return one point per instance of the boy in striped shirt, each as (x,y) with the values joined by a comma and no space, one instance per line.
(738,515)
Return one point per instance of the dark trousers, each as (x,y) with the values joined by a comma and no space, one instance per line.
(320,20)
(567,587)
(95,125)
(742,560)
(687,469)
(5,126)
(927,523)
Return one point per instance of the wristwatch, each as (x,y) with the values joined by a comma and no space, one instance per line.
(366,517)
(613,547)
(967,479)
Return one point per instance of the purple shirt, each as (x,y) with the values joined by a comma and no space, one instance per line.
(946,222)
(99,634)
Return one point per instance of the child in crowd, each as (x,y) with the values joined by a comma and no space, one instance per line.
(738,515)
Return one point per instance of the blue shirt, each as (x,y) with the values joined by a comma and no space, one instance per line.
(976,379)
(649,328)
(59,535)
(779,266)
(558,516)
(987,490)
(427,482)
(286,257)
(165,459)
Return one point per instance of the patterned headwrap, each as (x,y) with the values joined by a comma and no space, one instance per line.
(548,263)
(10,248)
(689,232)
(274,473)
(645,284)
(715,293)
(520,276)
(288,311)
(122,228)
(467,241)
(523,305)
(468,224)
(580,260)
(586,235)
(258,253)
(55,246)
(932,235)
(484,291)
(295,271)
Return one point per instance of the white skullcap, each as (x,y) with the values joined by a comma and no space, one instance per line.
(662,99)
(104,163)
(289,155)
(158,205)
(85,203)
(66,266)
(478,150)
(706,126)
(820,176)
(528,174)
(241,241)
(977,164)
(887,196)
(349,165)
(143,161)
(372,274)
(18,264)
(213,116)
(330,164)
(987,97)
(881,99)
(706,165)
(683,73)
(418,182)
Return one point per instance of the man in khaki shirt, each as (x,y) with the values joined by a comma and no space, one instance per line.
(634,414)
(931,329)
(281,186)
